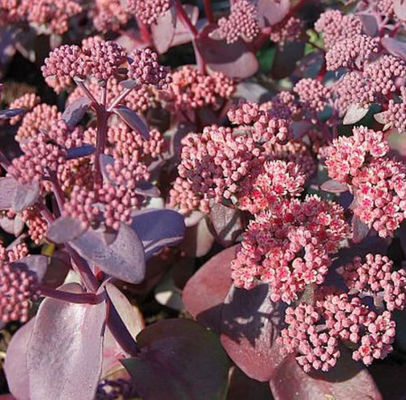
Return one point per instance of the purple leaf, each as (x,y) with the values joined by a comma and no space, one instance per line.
(79,152)
(147,189)
(359,229)
(75,111)
(226,224)
(158,229)
(65,229)
(163,30)
(123,258)
(395,47)
(333,186)
(182,34)
(179,360)
(7,114)
(369,23)
(272,11)
(13,226)
(198,239)
(64,356)
(347,380)
(234,60)
(133,120)
(8,187)
(300,128)
(286,58)
(25,196)
(251,91)
(204,293)
(242,388)
(36,263)
(390,378)
(400,9)
(129,84)
(15,365)
(354,114)
(250,324)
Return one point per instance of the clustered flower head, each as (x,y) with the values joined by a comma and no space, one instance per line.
(287,31)
(191,89)
(314,332)
(289,247)
(109,15)
(28,101)
(312,94)
(241,23)
(148,11)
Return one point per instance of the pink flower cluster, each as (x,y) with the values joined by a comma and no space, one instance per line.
(376,278)
(313,95)
(191,90)
(290,246)
(148,11)
(28,101)
(287,31)
(108,15)
(241,23)
(315,331)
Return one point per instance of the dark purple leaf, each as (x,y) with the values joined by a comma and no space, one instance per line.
(226,224)
(75,111)
(354,114)
(36,263)
(179,360)
(390,378)
(7,114)
(182,34)
(369,23)
(359,229)
(286,58)
(204,293)
(158,229)
(147,189)
(8,188)
(251,91)
(272,11)
(25,196)
(300,128)
(64,356)
(242,388)
(198,239)
(333,186)
(129,84)
(133,320)
(163,30)
(400,9)
(234,60)
(250,324)
(65,229)
(123,258)
(395,47)
(79,152)
(15,365)
(133,120)
(347,380)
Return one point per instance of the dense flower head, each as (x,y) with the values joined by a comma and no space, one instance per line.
(335,26)
(312,94)
(148,11)
(289,247)
(191,89)
(347,155)
(144,68)
(352,53)
(17,285)
(40,119)
(216,160)
(395,115)
(314,332)
(40,157)
(376,277)
(37,226)
(380,192)
(272,182)
(287,31)
(241,23)
(27,101)
(76,172)
(109,15)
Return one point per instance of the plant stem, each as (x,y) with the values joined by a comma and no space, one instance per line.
(102,119)
(208,11)
(77,298)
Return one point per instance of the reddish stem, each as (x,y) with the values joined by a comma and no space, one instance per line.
(77,298)
(102,119)
(208,10)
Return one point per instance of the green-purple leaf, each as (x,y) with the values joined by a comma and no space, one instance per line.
(65,229)
(133,120)
(179,360)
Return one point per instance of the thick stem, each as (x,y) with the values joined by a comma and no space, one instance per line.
(208,11)
(77,298)
(120,331)
(119,98)
(201,64)
(86,91)
(102,119)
